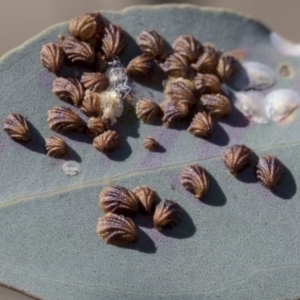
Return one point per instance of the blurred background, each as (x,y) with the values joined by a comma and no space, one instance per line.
(21,20)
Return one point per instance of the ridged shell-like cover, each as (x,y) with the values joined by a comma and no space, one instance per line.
(225,67)
(189,47)
(237,157)
(62,119)
(147,197)
(181,91)
(147,110)
(96,82)
(202,125)
(207,83)
(195,180)
(16,127)
(269,171)
(77,51)
(207,62)
(52,57)
(176,66)
(216,104)
(167,214)
(151,43)
(84,27)
(117,230)
(150,143)
(141,66)
(173,112)
(107,141)
(68,89)
(95,126)
(55,146)
(113,41)
(91,104)
(119,200)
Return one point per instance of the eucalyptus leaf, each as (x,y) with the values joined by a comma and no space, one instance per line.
(240,242)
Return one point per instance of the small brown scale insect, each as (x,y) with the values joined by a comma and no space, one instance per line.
(195,180)
(147,110)
(96,82)
(52,57)
(56,146)
(202,125)
(216,105)
(207,83)
(83,27)
(188,47)
(90,105)
(15,125)
(107,141)
(95,126)
(176,66)
(88,27)
(78,51)
(116,230)
(62,119)
(150,143)
(225,67)
(173,112)
(269,171)
(151,43)
(207,61)
(119,200)
(141,66)
(113,42)
(167,214)
(181,90)
(236,158)
(68,89)
(147,198)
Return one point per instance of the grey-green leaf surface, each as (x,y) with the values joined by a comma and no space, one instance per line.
(240,242)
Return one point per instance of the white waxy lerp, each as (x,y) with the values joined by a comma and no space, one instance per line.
(280,103)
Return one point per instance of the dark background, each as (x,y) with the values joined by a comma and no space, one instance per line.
(22,19)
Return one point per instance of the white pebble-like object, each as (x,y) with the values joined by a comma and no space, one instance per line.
(260,76)
(251,104)
(71,168)
(253,75)
(280,103)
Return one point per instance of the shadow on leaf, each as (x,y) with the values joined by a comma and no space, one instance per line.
(78,137)
(131,50)
(144,244)
(248,175)
(36,143)
(219,136)
(143,220)
(122,153)
(240,80)
(72,155)
(214,196)
(184,230)
(160,149)
(126,129)
(236,118)
(287,186)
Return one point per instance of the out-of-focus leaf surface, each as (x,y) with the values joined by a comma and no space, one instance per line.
(240,242)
